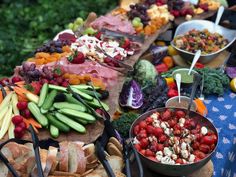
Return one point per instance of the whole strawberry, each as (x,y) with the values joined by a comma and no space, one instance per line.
(77,58)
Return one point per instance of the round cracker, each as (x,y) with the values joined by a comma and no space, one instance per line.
(113,150)
(116,143)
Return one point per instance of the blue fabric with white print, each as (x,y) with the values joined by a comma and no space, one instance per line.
(222,112)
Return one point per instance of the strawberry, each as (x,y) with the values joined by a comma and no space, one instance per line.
(98,35)
(34,87)
(16,79)
(77,58)
(57,72)
(125,43)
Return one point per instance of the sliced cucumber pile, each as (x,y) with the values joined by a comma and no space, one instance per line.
(59,111)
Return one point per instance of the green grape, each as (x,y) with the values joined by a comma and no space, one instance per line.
(135,23)
(70,25)
(90,31)
(75,27)
(79,21)
(137,19)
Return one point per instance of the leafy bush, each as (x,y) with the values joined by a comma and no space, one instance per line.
(26,24)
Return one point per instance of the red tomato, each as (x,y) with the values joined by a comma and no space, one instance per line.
(158,131)
(143,124)
(144,143)
(189,124)
(177,127)
(136,129)
(214,138)
(210,132)
(154,146)
(162,138)
(172,122)
(180,161)
(195,145)
(194,131)
(204,148)
(143,152)
(160,147)
(166,115)
(196,159)
(198,127)
(177,132)
(150,129)
(153,158)
(207,140)
(149,153)
(137,147)
(142,134)
(199,154)
(198,136)
(149,120)
(180,114)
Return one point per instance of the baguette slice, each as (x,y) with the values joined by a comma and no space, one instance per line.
(63,157)
(77,160)
(17,150)
(51,160)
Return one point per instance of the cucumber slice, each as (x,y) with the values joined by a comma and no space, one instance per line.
(83,86)
(91,93)
(61,105)
(78,114)
(82,94)
(54,121)
(54,131)
(56,87)
(34,109)
(49,100)
(71,123)
(43,94)
(94,103)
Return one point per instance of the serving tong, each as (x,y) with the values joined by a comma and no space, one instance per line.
(35,142)
(123,68)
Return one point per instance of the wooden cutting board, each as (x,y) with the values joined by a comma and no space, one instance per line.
(215,63)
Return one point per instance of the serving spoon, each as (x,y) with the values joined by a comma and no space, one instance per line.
(218,16)
(196,81)
(178,82)
(195,59)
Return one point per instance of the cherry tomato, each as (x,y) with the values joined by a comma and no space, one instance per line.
(194,131)
(180,114)
(177,132)
(144,143)
(179,160)
(149,153)
(158,131)
(198,136)
(150,129)
(162,138)
(152,158)
(195,145)
(172,122)
(199,154)
(136,129)
(207,140)
(160,147)
(143,124)
(149,120)
(154,146)
(177,127)
(214,138)
(189,124)
(142,134)
(204,148)
(137,147)
(166,115)
(143,152)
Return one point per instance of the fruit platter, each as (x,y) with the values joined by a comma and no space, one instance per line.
(107,85)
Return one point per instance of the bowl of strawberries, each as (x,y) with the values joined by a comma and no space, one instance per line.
(172,143)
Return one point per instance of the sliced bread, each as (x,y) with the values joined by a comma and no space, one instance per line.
(51,160)
(63,156)
(77,160)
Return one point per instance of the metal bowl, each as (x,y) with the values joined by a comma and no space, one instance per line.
(176,99)
(201,25)
(175,170)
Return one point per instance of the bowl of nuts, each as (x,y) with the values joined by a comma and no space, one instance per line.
(172,143)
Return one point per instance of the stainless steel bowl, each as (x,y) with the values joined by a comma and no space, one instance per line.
(200,25)
(176,99)
(175,170)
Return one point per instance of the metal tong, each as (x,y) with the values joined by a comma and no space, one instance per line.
(124,68)
(36,151)
(109,131)
(115,34)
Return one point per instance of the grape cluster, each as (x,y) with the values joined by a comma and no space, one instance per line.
(175,5)
(150,2)
(139,10)
(29,72)
(53,46)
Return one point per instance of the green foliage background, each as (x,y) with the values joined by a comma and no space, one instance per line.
(26,24)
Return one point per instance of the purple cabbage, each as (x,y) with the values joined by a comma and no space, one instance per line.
(131,95)
(231,72)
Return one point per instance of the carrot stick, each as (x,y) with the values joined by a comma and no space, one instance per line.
(18,89)
(1,97)
(20,83)
(201,107)
(29,122)
(34,123)
(20,98)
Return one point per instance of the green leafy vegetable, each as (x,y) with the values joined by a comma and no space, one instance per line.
(122,125)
